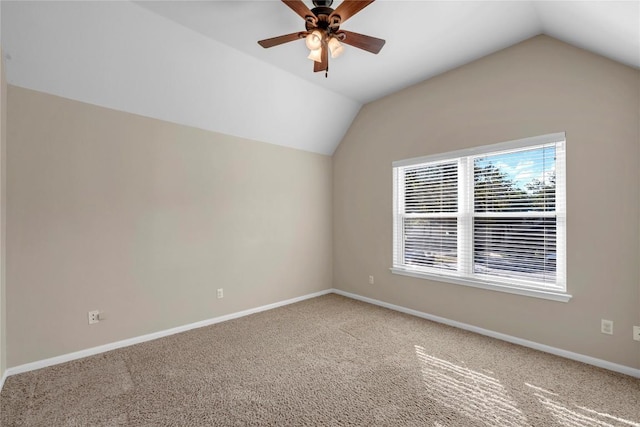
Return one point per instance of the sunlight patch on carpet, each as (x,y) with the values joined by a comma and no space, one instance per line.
(473,394)
(577,416)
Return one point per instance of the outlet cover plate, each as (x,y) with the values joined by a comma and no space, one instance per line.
(606,326)
(636,333)
(94,316)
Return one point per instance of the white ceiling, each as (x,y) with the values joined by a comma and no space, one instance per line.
(198,62)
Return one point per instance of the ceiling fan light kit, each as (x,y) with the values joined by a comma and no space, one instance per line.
(314,40)
(323,33)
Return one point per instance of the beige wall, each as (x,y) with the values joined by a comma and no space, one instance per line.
(144,220)
(537,87)
(3,182)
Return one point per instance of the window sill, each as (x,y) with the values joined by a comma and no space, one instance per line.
(535,293)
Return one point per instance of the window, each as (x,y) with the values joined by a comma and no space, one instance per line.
(490,217)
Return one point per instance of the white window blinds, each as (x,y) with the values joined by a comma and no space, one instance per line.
(430,207)
(493,214)
(515,220)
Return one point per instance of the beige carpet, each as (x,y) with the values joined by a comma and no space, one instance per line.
(325,361)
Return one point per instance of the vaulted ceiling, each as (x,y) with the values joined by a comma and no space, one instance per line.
(198,63)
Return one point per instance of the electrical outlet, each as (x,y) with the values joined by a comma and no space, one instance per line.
(636,333)
(94,317)
(606,326)
(220,293)
(371,280)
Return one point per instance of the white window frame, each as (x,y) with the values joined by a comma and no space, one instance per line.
(464,275)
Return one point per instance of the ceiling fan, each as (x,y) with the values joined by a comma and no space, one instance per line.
(323,33)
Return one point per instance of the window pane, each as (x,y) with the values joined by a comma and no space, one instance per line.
(520,181)
(431,242)
(431,188)
(516,247)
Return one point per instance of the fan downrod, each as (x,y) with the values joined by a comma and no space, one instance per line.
(322,3)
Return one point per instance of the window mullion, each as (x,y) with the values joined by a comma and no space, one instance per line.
(398,216)
(465,217)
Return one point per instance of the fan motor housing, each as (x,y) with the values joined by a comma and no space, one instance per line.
(322,3)
(322,13)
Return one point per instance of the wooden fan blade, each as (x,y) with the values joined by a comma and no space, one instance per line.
(322,66)
(275,41)
(368,43)
(348,8)
(299,7)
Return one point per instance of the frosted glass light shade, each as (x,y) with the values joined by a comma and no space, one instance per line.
(314,40)
(335,47)
(316,55)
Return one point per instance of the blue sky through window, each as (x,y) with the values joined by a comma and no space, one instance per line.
(523,166)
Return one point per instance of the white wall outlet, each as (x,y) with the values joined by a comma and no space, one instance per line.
(94,317)
(636,333)
(606,326)
(220,293)
(371,281)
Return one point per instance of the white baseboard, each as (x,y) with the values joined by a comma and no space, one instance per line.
(137,340)
(508,338)
(2,379)
(149,337)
